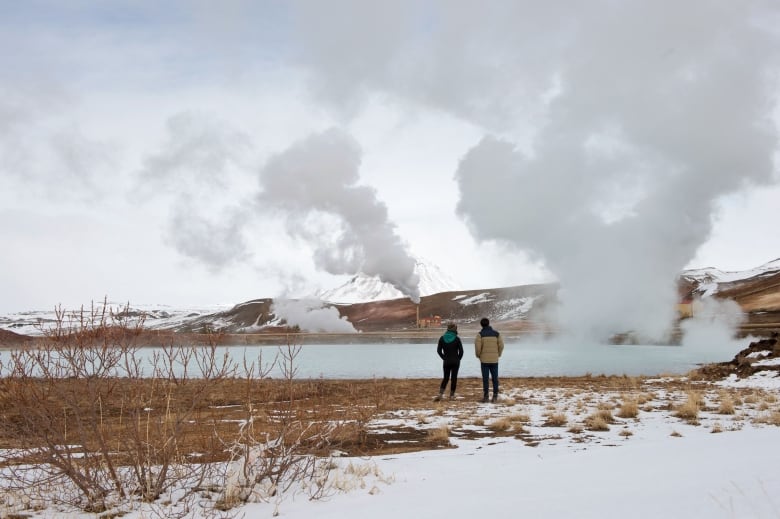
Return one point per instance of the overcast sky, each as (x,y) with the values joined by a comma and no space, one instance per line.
(195,153)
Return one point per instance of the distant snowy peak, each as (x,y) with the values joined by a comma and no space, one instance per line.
(363,288)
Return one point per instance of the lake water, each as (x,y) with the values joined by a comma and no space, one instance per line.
(520,359)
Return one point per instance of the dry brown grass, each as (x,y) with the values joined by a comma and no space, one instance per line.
(689,410)
(752,398)
(556,420)
(772,418)
(726,405)
(629,409)
(599,420)
(439,434)
(520,417)
(502,424)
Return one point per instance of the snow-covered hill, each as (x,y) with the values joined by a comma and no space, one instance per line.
(363,289)
(35,322)
(709,279)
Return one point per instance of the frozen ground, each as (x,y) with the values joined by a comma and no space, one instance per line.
(534,454)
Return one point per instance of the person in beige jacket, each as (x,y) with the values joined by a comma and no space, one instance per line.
(488,345)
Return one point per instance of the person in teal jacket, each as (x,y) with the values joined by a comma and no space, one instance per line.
(450,349)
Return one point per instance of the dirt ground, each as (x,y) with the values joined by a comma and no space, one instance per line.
(353,405)
(202,419)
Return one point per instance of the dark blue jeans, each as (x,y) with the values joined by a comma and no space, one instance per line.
(492,370)
(450,369)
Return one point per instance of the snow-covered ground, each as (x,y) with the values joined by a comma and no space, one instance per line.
(156,316)
(656,464)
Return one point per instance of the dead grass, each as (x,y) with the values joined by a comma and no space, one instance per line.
(520,418)
(772,418)
(597,422)
(502,424)
(629,409)
(726,405)
(689,410)
(439,434)
(556,420)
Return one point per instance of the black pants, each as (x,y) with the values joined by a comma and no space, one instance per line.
(450,369)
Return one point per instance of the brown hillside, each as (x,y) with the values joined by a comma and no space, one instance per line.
(9,338)
(463,307)
(756,294)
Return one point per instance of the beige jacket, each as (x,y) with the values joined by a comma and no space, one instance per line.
(488,349)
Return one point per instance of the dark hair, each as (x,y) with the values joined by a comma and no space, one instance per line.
(452,327)
(484,322)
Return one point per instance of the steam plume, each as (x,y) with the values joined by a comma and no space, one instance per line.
(317,177)
(618,191)
(611,128)
(311,315)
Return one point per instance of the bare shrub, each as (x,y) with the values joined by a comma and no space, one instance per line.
(575,429)
(265,464)
(626,433)
(88,410)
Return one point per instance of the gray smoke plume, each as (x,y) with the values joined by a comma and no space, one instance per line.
(313,185)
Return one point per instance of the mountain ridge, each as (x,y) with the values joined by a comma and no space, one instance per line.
(521,307)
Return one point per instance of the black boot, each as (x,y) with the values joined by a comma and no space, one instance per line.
(485,398)
(439,396)
(495,398)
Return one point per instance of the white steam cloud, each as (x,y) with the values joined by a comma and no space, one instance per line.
(314,185)
(200,161)
(641,139)
(612,128)
(713,320)
(311,315)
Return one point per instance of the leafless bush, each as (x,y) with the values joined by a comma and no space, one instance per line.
(88,410)
(265,465)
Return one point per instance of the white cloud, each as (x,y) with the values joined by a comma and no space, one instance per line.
(93,95)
